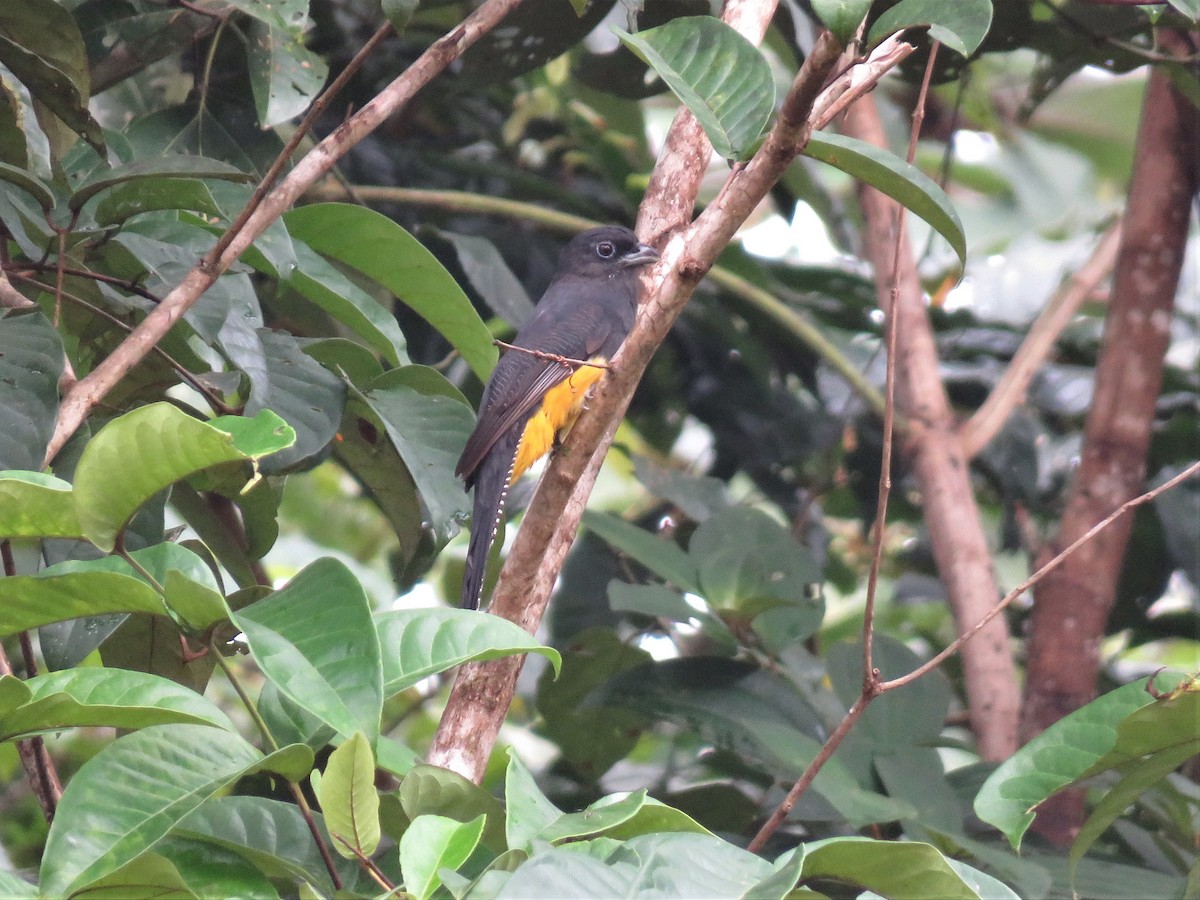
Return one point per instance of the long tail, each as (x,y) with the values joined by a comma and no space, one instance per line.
(491,490)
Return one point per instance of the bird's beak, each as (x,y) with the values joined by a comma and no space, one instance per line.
(643,255)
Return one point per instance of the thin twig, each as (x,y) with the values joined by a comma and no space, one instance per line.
(564,361)
(1037,576)
(367,863)
(269,739)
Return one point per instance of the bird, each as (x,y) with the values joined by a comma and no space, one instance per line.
(539,386)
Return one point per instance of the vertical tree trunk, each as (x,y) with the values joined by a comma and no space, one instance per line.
(1073,604)
(936,457)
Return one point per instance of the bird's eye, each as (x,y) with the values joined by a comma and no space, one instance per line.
(605,250)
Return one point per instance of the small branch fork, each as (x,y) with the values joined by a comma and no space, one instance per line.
(564,361)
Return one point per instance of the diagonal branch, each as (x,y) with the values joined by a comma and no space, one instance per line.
(89,391)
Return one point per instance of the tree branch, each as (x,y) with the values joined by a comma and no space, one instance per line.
(934,452)
(483,691)
(80,401)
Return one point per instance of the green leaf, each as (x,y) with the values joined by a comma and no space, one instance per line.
(209,871)
(350,305)
(138,454)
(842,17)
(961,25)
(1189,8)
(31,362)
(41,45)
(287,14)
(899,869)
(30,183)
(15,887)
(747,563)
(661,556)
(1056,757)
(903,182)
(315,640)
(528,810)
(348,798)
(270,834)
(491,277)
(399,12)
(285,76)
(74,589)
(430,790)
(716,73)
(33,504)
(152,194)
(127,797)
(150,876)
(115,698)
(433,843)
(379,248)
(424,642)
(303,393)
(154,169)
(599,818)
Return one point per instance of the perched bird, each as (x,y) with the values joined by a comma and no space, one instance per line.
(535,393)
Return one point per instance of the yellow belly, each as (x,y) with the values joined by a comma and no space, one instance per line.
(559,410)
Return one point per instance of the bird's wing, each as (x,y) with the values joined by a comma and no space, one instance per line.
(575,320)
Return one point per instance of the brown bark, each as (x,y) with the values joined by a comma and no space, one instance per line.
(936,458)
(1073,604)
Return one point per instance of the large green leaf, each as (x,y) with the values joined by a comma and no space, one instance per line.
(1056,757)
(716,73)
(41,45)
(207,871)
(662,556)
(106,697)
(900,180)
(31,362)
(152,170)
(349,800)
(894,869)
(428,421)
(430,790)
(527,810)
(315,640)
(319,281)
(433,843)
(149,195)
(380,249)
(422,642)
(79,588)
(269,833)
(285,76)
(303,393)
(137,455)
(33,504)
(959,24)
(129,795)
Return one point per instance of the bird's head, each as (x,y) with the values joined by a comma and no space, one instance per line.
(605,251)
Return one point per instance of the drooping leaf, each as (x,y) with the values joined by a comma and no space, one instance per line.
(491,277)
(428,422)
(138,454)
(132,793)
(1056,757)
(114,698)
(716,73)
(78,588)
(33,504)
(842,17)
(661,556)
(422,642)
(154,169)
(961,25)
(285,76)
(379,248)
(315,639)
(349,800)
(31,362)
(433,843)
(324,285)
(41,45)
(527,809)
(903,182)
(889,868)
(29,183)
(137,196)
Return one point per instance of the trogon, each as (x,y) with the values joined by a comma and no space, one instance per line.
(531,399)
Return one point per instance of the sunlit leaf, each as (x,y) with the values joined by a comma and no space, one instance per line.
(349,800)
